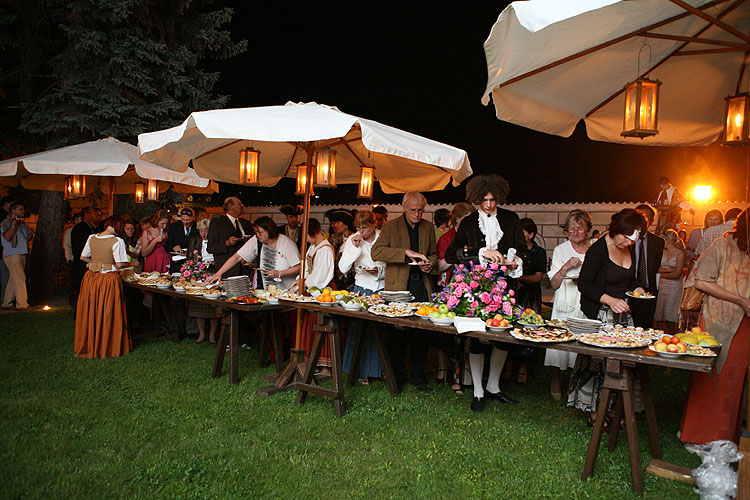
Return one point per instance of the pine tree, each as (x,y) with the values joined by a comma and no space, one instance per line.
(86,69)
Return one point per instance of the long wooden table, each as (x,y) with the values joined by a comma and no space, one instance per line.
(621,367)
(162,295)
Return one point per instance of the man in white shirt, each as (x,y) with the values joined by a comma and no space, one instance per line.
(669,204)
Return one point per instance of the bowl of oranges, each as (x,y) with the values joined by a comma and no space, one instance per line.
(325,298)
(423,312)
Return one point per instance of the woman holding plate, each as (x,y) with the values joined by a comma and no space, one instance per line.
(607,274)
(567,259)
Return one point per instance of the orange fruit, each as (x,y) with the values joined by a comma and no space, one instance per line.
(675,340)
(667,339)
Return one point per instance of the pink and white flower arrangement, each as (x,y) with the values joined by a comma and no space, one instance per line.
(194,268)
(478,292)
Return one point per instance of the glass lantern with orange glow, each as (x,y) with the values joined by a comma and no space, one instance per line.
(736,126)
(301,180)
(366,181)
(702,193)
(140,192)
(152,190)
(249,162)
(325,168)
(76,186)
(641,108)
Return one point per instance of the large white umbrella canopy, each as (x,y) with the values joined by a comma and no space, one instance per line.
(552,63)
(213,139)
(103,159)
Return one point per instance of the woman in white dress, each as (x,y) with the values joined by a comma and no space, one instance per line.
(567,259)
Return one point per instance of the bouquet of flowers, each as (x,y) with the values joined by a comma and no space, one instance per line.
(194,268)
(478,292)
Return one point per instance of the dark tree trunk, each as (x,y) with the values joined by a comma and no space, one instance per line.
(44,261)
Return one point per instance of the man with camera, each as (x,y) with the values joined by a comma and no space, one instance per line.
(15,241)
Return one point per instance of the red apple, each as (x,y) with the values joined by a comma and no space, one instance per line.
(495,322)
(681,347)
(672,348)
(488,322)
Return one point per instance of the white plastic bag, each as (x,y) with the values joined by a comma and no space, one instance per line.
(715,477)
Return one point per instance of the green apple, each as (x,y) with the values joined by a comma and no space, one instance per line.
(451,314)
(435,315)
(443,309)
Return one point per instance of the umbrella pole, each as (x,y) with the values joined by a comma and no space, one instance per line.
(294,371)
(303,250)
(111,197)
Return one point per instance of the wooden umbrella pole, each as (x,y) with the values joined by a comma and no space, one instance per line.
(303,250)
(111,197)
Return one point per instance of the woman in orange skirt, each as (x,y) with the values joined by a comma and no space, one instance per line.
(714,401)
(101,321)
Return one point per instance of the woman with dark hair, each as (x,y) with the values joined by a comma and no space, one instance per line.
(485,237)
(131,242)
(442,219)
(279,256)
(667,312)
(606,275)
(714,400)
(342,226)
(101,321)
(529,294)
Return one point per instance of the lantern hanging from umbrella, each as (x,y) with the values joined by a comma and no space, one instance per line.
(249,162)
(75,186)
(152,188)
(366,182)
(325,168)
(301,180)
(641,104)
(140,192)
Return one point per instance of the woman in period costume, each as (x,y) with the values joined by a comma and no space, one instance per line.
(487,236)
(713,408)
(567,258)
(341,228)
(369,277)
(101,329)
(667,313)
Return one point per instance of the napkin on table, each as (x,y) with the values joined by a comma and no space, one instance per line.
(464,325)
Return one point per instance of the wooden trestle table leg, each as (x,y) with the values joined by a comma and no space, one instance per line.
(354,365)
(221,350)
(385,361)
(234,346)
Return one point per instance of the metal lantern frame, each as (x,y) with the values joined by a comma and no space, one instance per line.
(301,180)
(140,192)
(249,165)
(75,186)
(152,190)
(641,114)
(325,168)
(737,109)
(366,182)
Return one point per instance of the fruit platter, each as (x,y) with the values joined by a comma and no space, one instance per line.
(542,334)
(697,337)
(614,339)
(423,312)
(529,317)
(498,323)
(245,300)
(353,302)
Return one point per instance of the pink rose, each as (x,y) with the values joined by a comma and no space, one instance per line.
(511,292)
(488,274)
(474,304)
(512,301)
(452,302)
(474,284)
(503,268)
(457,292)
(493,266)
(507,308)
(485,297)
(186,273)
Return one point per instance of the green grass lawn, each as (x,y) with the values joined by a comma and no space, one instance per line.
(154,424)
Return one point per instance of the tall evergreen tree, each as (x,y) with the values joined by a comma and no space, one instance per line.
(103,68)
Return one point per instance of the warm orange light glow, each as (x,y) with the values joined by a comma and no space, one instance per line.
(735,129)
(46,308)
(140,192)
(366,182)
(152,189)
(702,193)
(325,168)
(641,108)
(249,162)
(301,180)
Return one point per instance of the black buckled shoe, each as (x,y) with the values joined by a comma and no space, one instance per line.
(500,396)
(477,404)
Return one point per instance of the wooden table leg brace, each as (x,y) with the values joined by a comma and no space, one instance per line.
(619,378)
(325,329)
(385,360)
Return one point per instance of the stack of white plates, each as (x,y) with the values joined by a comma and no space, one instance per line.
(580,325)
(400,296)
(237,286)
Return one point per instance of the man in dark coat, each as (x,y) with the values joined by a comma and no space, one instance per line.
(78,237)
(642,310)
(179,235)
(227,233)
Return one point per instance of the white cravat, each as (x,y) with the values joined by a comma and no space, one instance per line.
(490,228)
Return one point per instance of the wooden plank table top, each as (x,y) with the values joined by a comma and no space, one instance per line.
(637,355)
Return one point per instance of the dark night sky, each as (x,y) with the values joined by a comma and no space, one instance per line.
(421,68)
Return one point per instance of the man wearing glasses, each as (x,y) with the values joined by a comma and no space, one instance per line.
(404,240)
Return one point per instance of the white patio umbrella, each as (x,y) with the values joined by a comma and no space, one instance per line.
(114,165)
(552,63)
(290,134)
(284,134)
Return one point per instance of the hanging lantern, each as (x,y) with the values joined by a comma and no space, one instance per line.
(249,160)
(140,192)
(736,126)
(67,188)
(75,186)
(325,168)
(301,180)
(366,181)
(152,190)
(641,108)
